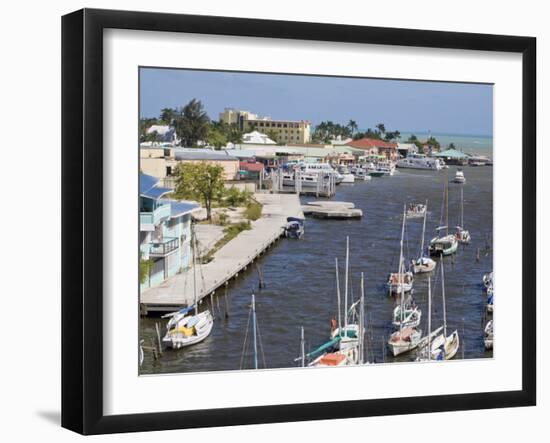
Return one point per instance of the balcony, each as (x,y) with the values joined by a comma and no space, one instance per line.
(148,220)
(163,247)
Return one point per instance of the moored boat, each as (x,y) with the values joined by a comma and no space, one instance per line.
(459,177)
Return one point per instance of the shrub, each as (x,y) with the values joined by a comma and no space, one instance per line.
(253,211)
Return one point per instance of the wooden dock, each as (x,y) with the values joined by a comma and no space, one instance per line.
(178,291)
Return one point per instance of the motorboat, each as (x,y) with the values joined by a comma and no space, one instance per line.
(419,161)
(459,177)
(462,235)
(294,227)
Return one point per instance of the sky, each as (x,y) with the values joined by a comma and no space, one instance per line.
(407,106)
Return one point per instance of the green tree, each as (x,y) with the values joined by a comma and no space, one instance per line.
(168,115)
(200,181)
(192,123)
(352,125)
(452,146)
(381,129)
(145,267)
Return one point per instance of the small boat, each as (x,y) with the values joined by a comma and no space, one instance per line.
(488,280)
(459,177)
(489,335)
(361,174)
(462,235)
(185,330)
(443,346)
(416,210)
(410,318)
(294,227)
(400,281)
(347,176)
(423,264)
(404,340)
(490,303)
(444,244)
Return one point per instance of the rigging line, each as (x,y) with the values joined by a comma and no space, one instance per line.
(261,344)
(245,337)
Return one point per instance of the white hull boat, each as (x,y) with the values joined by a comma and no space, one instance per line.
(404,340)
(459,177)
(188,330)
(419,161)
(398,283)
(489,335)
(410,319)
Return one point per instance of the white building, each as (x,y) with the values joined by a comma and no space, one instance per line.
(257,138)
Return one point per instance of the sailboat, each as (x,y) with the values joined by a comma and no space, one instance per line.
(410,317)
(444,244)
(255,337)
(400,281)
(425,345)
(341,350)
(349,332)
(185,329)
(444,347)
(423,264)
(462,235)
(407,337)
(488,335)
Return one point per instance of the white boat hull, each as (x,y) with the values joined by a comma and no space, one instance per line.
(176,337)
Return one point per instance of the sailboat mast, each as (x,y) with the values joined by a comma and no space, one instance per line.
(461,208)
(447,204)
(402,270)
(338,295)
(194,242)
(254,332)
(443,294)
(362,321)
(303,347)
(423,230)
(346,288)
(429,318)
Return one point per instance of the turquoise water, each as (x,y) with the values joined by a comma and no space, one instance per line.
(478,144)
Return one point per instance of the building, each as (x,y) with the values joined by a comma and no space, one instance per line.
(164,232)
(452,157)
(281,131)
(406,148)
(374,147)
(161,162)
(257,138)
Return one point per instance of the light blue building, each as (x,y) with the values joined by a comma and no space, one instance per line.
(164,231)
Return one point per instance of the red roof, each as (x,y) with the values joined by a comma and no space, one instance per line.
(367,143)
(251,167)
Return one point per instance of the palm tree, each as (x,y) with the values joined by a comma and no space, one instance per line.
(168,115)
(381,128)
(352,125)
(192,123)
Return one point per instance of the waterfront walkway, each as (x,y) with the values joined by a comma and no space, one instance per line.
(238,254)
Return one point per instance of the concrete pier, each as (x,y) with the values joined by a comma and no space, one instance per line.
(178,291)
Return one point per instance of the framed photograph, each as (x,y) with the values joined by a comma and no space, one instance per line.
(270,221)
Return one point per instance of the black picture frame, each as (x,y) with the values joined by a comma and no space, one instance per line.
(82,218)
